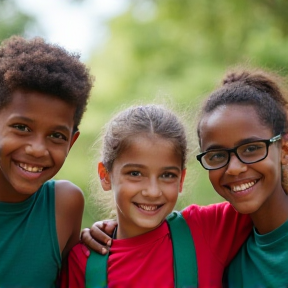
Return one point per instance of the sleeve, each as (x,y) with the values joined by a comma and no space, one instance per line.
(221,227)
(73,270)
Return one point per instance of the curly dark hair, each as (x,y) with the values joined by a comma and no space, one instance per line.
(48,68)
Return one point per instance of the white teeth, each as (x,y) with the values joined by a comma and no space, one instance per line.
(30,168)
(243,186)
(148,207)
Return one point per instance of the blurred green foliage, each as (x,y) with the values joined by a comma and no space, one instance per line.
(176,52)
(12,20)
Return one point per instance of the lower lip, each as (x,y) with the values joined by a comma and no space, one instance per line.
(29,175)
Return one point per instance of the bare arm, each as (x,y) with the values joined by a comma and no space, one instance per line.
(69,211)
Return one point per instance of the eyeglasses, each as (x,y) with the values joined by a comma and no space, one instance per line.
(247,153)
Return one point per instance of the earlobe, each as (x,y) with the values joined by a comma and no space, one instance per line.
(284,158)
(104,177)
(183,174)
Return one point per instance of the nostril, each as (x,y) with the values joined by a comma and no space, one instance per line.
(36,150)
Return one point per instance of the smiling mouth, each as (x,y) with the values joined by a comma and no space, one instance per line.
(242,187)
(147,207)
(30,168)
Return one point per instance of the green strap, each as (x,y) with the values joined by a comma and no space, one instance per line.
(185,262)
(96,270)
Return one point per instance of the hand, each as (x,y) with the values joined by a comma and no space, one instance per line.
(97,238)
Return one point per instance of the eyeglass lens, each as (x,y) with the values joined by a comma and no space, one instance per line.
(247,153)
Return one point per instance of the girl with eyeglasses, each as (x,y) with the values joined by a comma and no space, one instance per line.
(241,135)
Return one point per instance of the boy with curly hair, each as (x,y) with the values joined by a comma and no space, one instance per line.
(44,91)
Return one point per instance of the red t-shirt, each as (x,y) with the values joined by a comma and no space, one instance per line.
(147,260)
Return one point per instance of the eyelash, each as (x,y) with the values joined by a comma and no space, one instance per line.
(166,175)
(169,174)
(25,128)
(62,136)
(19,126)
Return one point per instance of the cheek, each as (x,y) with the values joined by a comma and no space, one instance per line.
(271,170)
(172,193)
(121,194)
(59,155)
(215,177)
(271,165)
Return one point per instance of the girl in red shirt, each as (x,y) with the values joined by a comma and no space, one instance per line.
(143,162)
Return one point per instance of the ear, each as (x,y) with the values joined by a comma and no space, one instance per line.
(74,138)
(104,177)
(284,143)
(183,174)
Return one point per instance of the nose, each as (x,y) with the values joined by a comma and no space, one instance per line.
(235,166)
(153,189)
(37,148)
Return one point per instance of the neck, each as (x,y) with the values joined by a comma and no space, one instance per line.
(123,232)
(272,214)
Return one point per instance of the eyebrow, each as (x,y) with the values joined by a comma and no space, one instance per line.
(132,165)
(241,142)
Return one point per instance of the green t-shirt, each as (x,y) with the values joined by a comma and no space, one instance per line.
(261,262)
(29,249)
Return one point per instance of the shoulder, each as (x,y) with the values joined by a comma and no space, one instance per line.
(67,187)
(210,214)
(68,194)
(194,209)
(69,197)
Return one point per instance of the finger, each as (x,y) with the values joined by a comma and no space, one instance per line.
(107,226)
(87,239)
(98,233)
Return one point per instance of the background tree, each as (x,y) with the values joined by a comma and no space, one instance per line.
(167,51)
(12,20)
(178,51)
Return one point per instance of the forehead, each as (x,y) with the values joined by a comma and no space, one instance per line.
(39,106)
(149,151)
(228,125)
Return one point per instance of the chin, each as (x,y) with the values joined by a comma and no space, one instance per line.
(244,208)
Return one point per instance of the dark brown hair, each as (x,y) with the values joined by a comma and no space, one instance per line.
(48,68)
(263,90)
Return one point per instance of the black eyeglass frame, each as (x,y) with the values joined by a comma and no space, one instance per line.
(268,142)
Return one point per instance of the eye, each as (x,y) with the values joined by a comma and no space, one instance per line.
(58,135)
(135,173)
(252,148)
(169,175)
(21,127)
(216,156)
